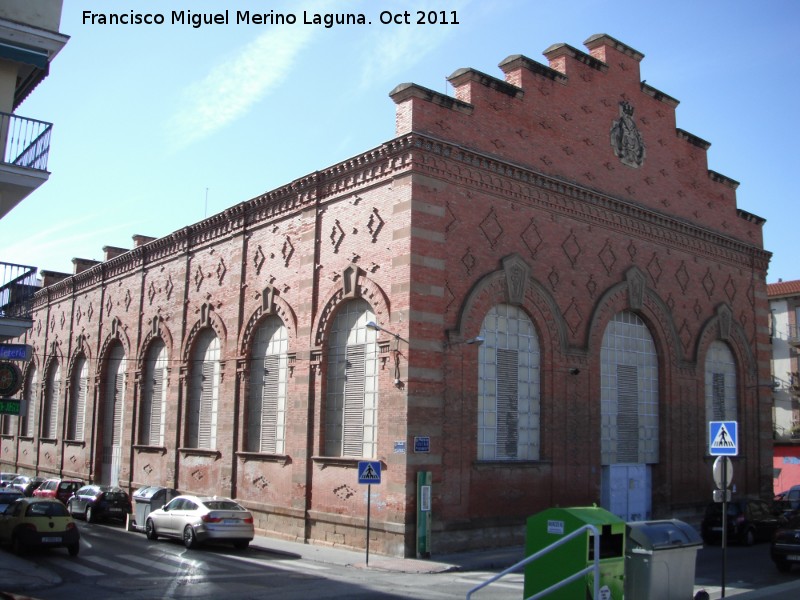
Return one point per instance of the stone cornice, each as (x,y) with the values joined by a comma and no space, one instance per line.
(359,172)
(555,195)
(401,155)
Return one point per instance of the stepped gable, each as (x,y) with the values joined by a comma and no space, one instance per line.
(586,118)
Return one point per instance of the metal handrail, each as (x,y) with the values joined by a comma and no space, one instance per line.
(18,284)
(594,568)
(24,142)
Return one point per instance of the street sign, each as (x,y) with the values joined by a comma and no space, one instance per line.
(369,472)
(15,352)
(723,472)
(723,438)
(9,406)
(422,444)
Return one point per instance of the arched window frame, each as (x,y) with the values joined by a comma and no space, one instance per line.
(629,392)
(52,391)
(79,384)
(154,385)
(351,400)
(267,388)
(30,394)
(720,383)
(203,398)
(509,383)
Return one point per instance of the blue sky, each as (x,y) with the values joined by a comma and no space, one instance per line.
(158,126)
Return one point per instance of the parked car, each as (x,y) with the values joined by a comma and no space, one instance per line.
(789,500)
(785,547)
(198,519)
(750,520)
(95,502)
(8,495)
(60,489)
(6,479)
(38,523)
(27,484)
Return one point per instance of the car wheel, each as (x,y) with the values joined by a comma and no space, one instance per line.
(784,566)
(241,544)
(73,549)
(150,530)
(189,537)
(90,516)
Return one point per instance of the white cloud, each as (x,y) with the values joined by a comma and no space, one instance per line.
(232,87)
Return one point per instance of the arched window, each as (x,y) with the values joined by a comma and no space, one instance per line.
(351,401)
(201,414)
(720,383)
(628,392)
(266,397)
(77,399)
(30,394)
(154,396)
(113,412)
(508,387)
(50,410)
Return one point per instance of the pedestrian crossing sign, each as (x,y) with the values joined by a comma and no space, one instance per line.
(723,438)
(369,471)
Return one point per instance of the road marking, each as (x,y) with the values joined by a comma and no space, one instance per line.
(75,567)
(264,563)
(150,563)
(114,565)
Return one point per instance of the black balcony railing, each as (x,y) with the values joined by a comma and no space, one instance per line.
(26,142)
(17,287)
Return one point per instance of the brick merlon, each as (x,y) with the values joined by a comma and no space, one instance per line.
(692,139)
(464,76)
(719,178)
(603,39)
(558,50)
(405,91)
(518,61)
(659,95)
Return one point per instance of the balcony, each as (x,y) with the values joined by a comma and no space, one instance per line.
(26,146)
(18,284)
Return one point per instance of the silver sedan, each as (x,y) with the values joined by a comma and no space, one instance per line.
(198,519)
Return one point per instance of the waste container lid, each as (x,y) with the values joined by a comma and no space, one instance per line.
(146,493)
(654,535)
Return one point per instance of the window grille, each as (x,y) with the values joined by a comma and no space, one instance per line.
(351,402)
(77,407)
(508,387)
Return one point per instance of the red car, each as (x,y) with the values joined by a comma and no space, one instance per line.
(61,489)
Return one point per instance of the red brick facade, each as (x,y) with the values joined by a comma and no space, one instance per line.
(512,192)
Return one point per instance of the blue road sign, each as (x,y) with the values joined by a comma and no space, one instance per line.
(369,471)
(723,438)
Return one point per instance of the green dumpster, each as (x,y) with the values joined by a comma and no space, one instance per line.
(554,524)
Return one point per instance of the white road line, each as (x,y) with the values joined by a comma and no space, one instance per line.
(150,563)
(266,563)
(75,567)
(111,564)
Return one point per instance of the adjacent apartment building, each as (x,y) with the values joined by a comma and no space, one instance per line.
(29,41)
(784,306)
(536,294)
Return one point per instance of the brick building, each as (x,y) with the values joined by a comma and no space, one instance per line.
(537,291)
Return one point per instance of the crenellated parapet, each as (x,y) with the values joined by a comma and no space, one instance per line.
(587,118)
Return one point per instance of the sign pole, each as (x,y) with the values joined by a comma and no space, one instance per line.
(724,523)
(369,503)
